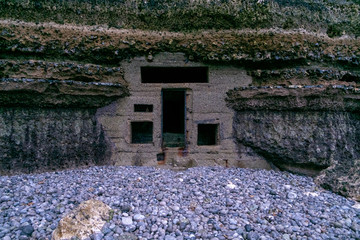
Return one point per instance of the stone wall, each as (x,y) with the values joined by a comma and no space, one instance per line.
(42,139)
(204,104)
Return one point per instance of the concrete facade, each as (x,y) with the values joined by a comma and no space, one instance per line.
(204,104)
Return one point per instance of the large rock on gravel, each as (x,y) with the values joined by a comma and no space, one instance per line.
(89,217)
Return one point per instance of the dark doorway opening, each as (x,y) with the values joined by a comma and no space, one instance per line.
(173,118)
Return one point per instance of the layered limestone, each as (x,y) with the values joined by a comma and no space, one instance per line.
(60,84)
(336,18)
(296,98)
(264,48)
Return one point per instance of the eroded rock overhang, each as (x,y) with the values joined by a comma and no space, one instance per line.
(311,129)
(339,98)
(48,113)
(55,93)
(59,84)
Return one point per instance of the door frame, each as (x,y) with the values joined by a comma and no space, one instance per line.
(162,113)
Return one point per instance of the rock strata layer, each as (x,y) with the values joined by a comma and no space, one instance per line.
(266,47)
(336,18)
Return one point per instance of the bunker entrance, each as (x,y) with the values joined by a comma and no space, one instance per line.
(173,118)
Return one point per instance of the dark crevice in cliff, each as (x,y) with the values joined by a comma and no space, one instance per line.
(351,78)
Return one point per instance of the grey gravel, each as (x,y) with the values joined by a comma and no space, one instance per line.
(127,220)
(27,230)
(199,203)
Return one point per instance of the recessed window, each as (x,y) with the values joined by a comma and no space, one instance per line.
(174,74)
(143,108)
(207,134)
(141,132)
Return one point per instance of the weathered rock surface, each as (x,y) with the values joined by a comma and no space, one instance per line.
(16,92)
(333,17)
(101,45)
(308,131)
(61,84)
(312,75)
(88,218)
(342,177)
(312,98)
(40,139)
(62,71)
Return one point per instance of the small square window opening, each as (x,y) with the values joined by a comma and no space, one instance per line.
(207,134)
(141,132)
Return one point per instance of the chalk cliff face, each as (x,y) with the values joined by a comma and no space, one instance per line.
(61,60)
(306,142)
(313,131)
(48,114)
(48,139)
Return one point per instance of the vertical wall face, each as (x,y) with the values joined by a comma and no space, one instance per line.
(310,138)
(311,130)
(204,103)
(307,142)
(39,139)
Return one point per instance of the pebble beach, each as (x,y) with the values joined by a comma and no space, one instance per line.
(198,203)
